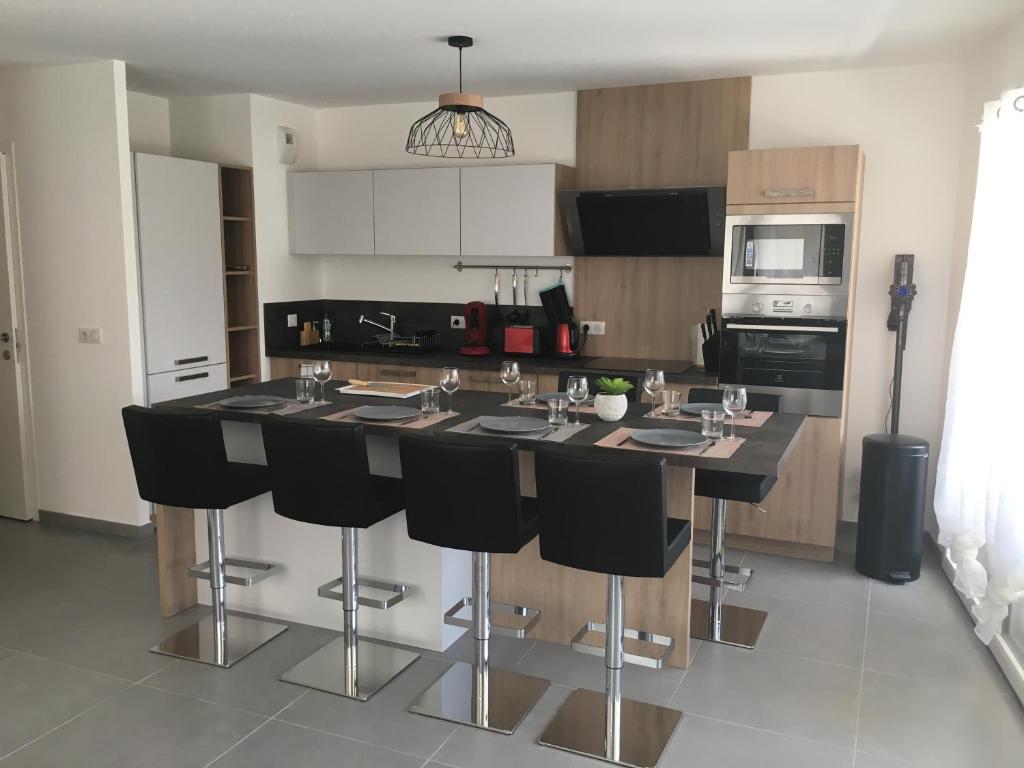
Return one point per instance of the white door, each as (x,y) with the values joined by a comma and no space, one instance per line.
(330,212)
(17,489)
(416,212)
(508,210)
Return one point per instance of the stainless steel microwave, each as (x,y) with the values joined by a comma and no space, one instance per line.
(808,250)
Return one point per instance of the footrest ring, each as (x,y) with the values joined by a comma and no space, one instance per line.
(654,662)
(740,583)
(397,593)
(532,614)
(258,570)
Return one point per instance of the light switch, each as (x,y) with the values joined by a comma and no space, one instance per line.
(293,321)
(90,335)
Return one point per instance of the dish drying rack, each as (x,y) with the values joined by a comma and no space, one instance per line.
(420,341)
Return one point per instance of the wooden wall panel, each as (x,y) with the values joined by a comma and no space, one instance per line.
(676,134)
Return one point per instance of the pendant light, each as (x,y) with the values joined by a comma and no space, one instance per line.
(460,126)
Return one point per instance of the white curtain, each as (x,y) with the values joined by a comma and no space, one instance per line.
(979,493)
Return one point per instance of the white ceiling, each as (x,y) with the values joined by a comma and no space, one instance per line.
(336,52)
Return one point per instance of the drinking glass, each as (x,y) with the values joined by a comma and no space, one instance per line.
(734,400)
(712,424)
(304,390)
(322,373)
(527,391)
(558,412)
(670,400)
(577,389)
(430,400)
(510,375)
(450,384)
(654,382)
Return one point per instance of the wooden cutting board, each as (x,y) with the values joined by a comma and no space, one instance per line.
(384,389)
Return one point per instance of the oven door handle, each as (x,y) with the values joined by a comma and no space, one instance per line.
(801,328)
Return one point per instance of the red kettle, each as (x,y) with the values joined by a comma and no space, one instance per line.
(566,339)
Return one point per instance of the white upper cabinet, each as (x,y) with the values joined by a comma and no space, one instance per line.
(508,210)
(416,212)
(330,212)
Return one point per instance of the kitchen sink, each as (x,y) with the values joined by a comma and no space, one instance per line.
(368,348)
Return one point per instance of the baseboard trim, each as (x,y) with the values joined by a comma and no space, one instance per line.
(106,527)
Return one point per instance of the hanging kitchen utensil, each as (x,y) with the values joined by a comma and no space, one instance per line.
(497,287)
(513,317)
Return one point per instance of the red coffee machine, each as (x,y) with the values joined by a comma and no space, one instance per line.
(475,313)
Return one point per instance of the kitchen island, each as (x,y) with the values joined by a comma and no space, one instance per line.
(439,577)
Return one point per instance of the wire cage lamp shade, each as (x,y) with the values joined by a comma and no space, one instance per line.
(460,126)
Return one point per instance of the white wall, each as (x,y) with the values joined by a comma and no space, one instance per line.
(907,119)
(149,123)
(69,128)
(544,131)
(212,128)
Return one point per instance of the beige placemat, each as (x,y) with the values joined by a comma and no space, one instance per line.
(420,423)
(722,449)
(560,435)
(756,418)
(287,409)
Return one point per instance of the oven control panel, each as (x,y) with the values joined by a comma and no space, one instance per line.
(780,305)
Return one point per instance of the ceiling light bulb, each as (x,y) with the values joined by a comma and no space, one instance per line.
(461,126)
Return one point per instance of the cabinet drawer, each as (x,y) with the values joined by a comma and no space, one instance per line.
(489,381)
(802,175)
(396,372)
(288,368)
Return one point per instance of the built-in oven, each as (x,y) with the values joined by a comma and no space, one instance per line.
(803,359)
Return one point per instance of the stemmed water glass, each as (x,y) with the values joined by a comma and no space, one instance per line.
(577,389)
(734,401)
(510,375)
(450,383)
(322,374)
(654,382)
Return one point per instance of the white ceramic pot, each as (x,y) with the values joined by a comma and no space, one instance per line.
(610,407)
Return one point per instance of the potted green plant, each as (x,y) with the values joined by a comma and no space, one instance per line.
(610,403)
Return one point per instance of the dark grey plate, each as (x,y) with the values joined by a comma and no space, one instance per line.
(669,438)
(513,425)
(384,412)
(694,409)
(243,402)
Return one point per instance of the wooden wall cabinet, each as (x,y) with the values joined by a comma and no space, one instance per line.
(513,210)
(330,212)
(416,212)
(794,176)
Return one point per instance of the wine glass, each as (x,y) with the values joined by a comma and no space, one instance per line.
(450,383)
(734,400)
(654,382)
(510,375)
(322,374)
(577,389)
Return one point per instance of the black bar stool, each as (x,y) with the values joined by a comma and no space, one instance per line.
(179,461)
(610,516)
(320,474)
(712,619)
(465,495)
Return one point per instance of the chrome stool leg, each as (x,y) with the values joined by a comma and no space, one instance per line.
(713,619)
(609,727)
(220,639)
(477,694)
(352,666)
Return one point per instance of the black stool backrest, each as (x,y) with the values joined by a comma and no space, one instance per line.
(603,515)
(178,456)
(756,401)
(593,376)
(319,472)
(461,493)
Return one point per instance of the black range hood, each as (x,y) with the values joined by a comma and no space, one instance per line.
(681,221)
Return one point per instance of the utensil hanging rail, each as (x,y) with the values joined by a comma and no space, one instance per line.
(535,267)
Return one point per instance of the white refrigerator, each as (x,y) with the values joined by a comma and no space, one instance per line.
(178,217)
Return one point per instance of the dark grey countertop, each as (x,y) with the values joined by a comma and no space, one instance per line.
(764,452)
(676,371)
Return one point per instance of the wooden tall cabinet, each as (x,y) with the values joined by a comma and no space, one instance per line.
(241,298)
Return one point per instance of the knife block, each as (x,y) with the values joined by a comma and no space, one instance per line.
(309,335)
(710,348)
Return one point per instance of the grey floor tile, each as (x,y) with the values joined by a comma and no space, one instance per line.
(140,728)
(931,650)
(564,666)
(252,684)
(475,748)
(37,695)
(384,720)
(941,722)
(812,631)
(797,697)
(5,652)
(835,583)
(931,597)
(868,760)
(279,744)
(504,651)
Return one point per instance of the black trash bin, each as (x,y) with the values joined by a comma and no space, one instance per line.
(890,526)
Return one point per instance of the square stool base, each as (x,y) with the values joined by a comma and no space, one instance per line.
(325,669)
(197,642)
(511,696)
(579,727)
(740,626)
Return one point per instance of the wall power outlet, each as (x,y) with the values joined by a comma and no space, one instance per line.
(458,321)
(593,327)
(90,335)
(293,321)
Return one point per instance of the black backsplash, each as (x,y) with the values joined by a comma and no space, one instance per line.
(412,317)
